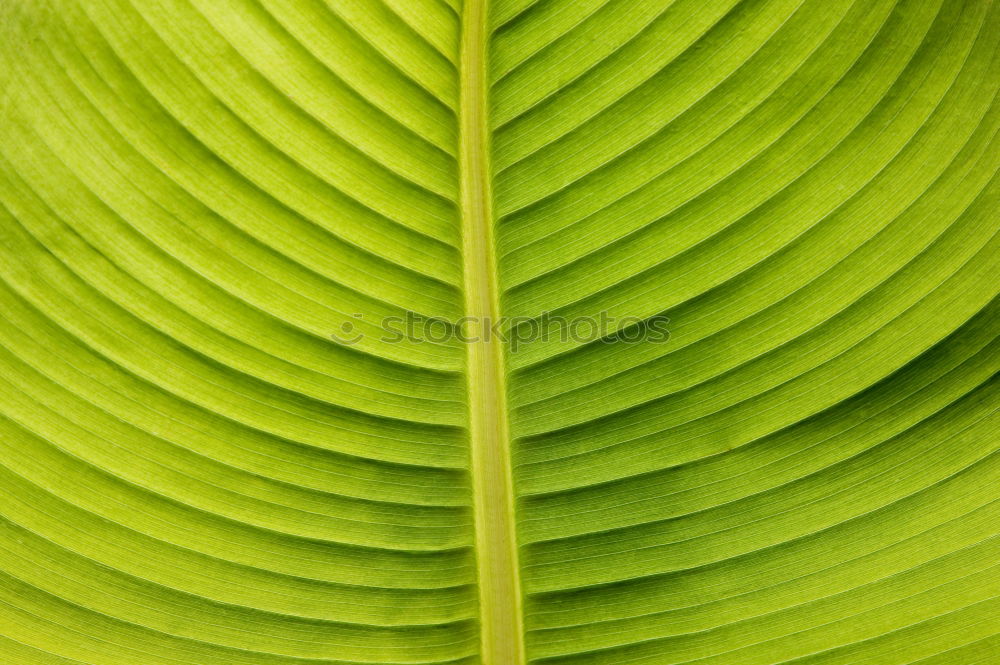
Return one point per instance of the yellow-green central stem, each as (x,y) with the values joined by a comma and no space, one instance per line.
(496,547)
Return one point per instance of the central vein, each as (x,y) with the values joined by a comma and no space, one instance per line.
(496,548)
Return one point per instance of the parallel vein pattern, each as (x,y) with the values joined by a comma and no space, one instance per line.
(806,472)
(220,443)
(195,197)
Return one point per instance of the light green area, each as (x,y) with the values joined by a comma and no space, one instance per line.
(211,452)
(501,610)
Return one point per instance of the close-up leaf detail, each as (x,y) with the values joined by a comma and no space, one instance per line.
(499,332)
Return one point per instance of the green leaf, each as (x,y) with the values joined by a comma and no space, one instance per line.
(563,332)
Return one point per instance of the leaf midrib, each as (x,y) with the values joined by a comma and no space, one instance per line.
(501,619)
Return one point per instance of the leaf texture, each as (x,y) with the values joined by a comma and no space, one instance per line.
(213,453)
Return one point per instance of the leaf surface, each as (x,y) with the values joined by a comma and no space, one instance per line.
(563,332)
